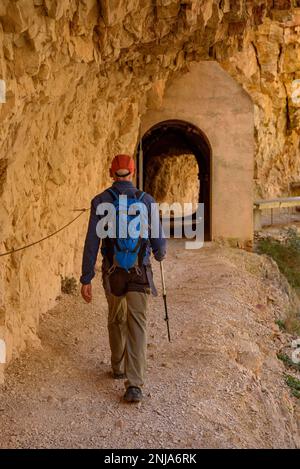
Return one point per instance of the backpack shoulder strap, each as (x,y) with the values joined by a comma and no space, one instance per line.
(139,195)
(113,193)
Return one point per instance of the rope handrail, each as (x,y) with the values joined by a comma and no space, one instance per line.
(12,251)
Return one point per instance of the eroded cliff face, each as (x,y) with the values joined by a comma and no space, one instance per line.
(268,65)
(78,77)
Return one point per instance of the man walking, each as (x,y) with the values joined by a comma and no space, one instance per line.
(126,286)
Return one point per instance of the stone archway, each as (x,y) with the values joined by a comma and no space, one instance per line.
(179,138)
(213,113)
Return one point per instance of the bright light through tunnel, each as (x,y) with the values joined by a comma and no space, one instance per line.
(166,179)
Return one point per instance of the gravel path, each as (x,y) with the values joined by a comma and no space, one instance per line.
(218,384)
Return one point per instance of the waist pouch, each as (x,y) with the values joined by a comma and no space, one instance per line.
(118,282)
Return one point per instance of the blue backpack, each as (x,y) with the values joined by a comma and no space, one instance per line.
(127,249)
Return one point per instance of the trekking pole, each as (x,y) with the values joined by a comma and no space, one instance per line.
(165,298)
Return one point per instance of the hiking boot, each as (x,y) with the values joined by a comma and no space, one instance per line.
(118,375)
(133,394)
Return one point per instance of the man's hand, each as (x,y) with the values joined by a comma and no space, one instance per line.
(86,292)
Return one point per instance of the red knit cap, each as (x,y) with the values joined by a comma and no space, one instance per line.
(122,162)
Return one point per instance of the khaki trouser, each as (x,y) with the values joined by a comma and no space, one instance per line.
(127,335)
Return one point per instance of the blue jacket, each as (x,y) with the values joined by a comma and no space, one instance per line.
(92,241)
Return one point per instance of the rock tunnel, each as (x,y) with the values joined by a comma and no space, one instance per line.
(215,123)
(84,80)
(175,152)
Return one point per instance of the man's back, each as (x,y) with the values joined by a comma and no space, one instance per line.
(157,244)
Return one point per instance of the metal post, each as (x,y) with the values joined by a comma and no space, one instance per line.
(271,216)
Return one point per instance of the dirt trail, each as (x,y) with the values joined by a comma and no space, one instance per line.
(218,384)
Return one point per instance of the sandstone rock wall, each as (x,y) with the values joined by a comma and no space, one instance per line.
(267,65)
(77,74)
